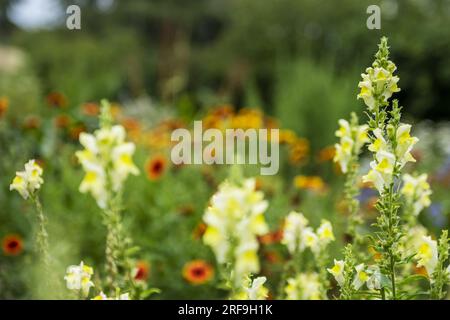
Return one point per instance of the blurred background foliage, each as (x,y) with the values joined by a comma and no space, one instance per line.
(299,61)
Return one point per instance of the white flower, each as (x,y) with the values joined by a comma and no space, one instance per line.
(28,181)
(338,271)
(381,174)
(102,296)
(310,239)
(294,225)
(305,286)
(428,254)
(374,281)
(352,138)
(325,232)
(405,144)
(79,278)
(417,192)
(257,291)
(361,276)
(378,82)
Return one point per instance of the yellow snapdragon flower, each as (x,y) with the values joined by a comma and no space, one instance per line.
(294,225)
(252,290)
(352,138)
(427,254)
(338,271)
(28,181)
(107,160)
(417,192)
(361,276)
(78,278)
(305,286)
(378,82)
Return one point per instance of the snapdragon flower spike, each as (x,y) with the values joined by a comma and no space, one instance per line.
(379,83)
(28,181)
(234,219)
(106,159)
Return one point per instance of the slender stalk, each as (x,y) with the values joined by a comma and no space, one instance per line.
(42,235)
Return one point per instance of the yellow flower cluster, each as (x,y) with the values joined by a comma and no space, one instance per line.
(252,290)
(107,161)
(305,286)
(378,84)
(28,181)
(387,157)
(297,235)
(352,139)
(234,219)
(78,278)
(416,191)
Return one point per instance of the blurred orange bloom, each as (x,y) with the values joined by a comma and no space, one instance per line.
(56,99)
(76,130)
(313,183)
(375,254)
(287,136)
(271,237)
(326,154)
(4,104)
(62,121)
(198,272)
(90,109)
(298,151)
(155,167)
(12,245)
(273,256)
(142,271)
(32,122)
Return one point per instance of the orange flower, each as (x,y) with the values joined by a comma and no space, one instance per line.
(271,237)
(56,99)
(375,254)
(32,122)
(287,136)
(298,151)
(90,109)
(142,271)
(326,154)
(313,183)
(273,256)
(76,130)
(12,245)
(420,270)
(197,272)
(62,121)
(4,104)
(155,167)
